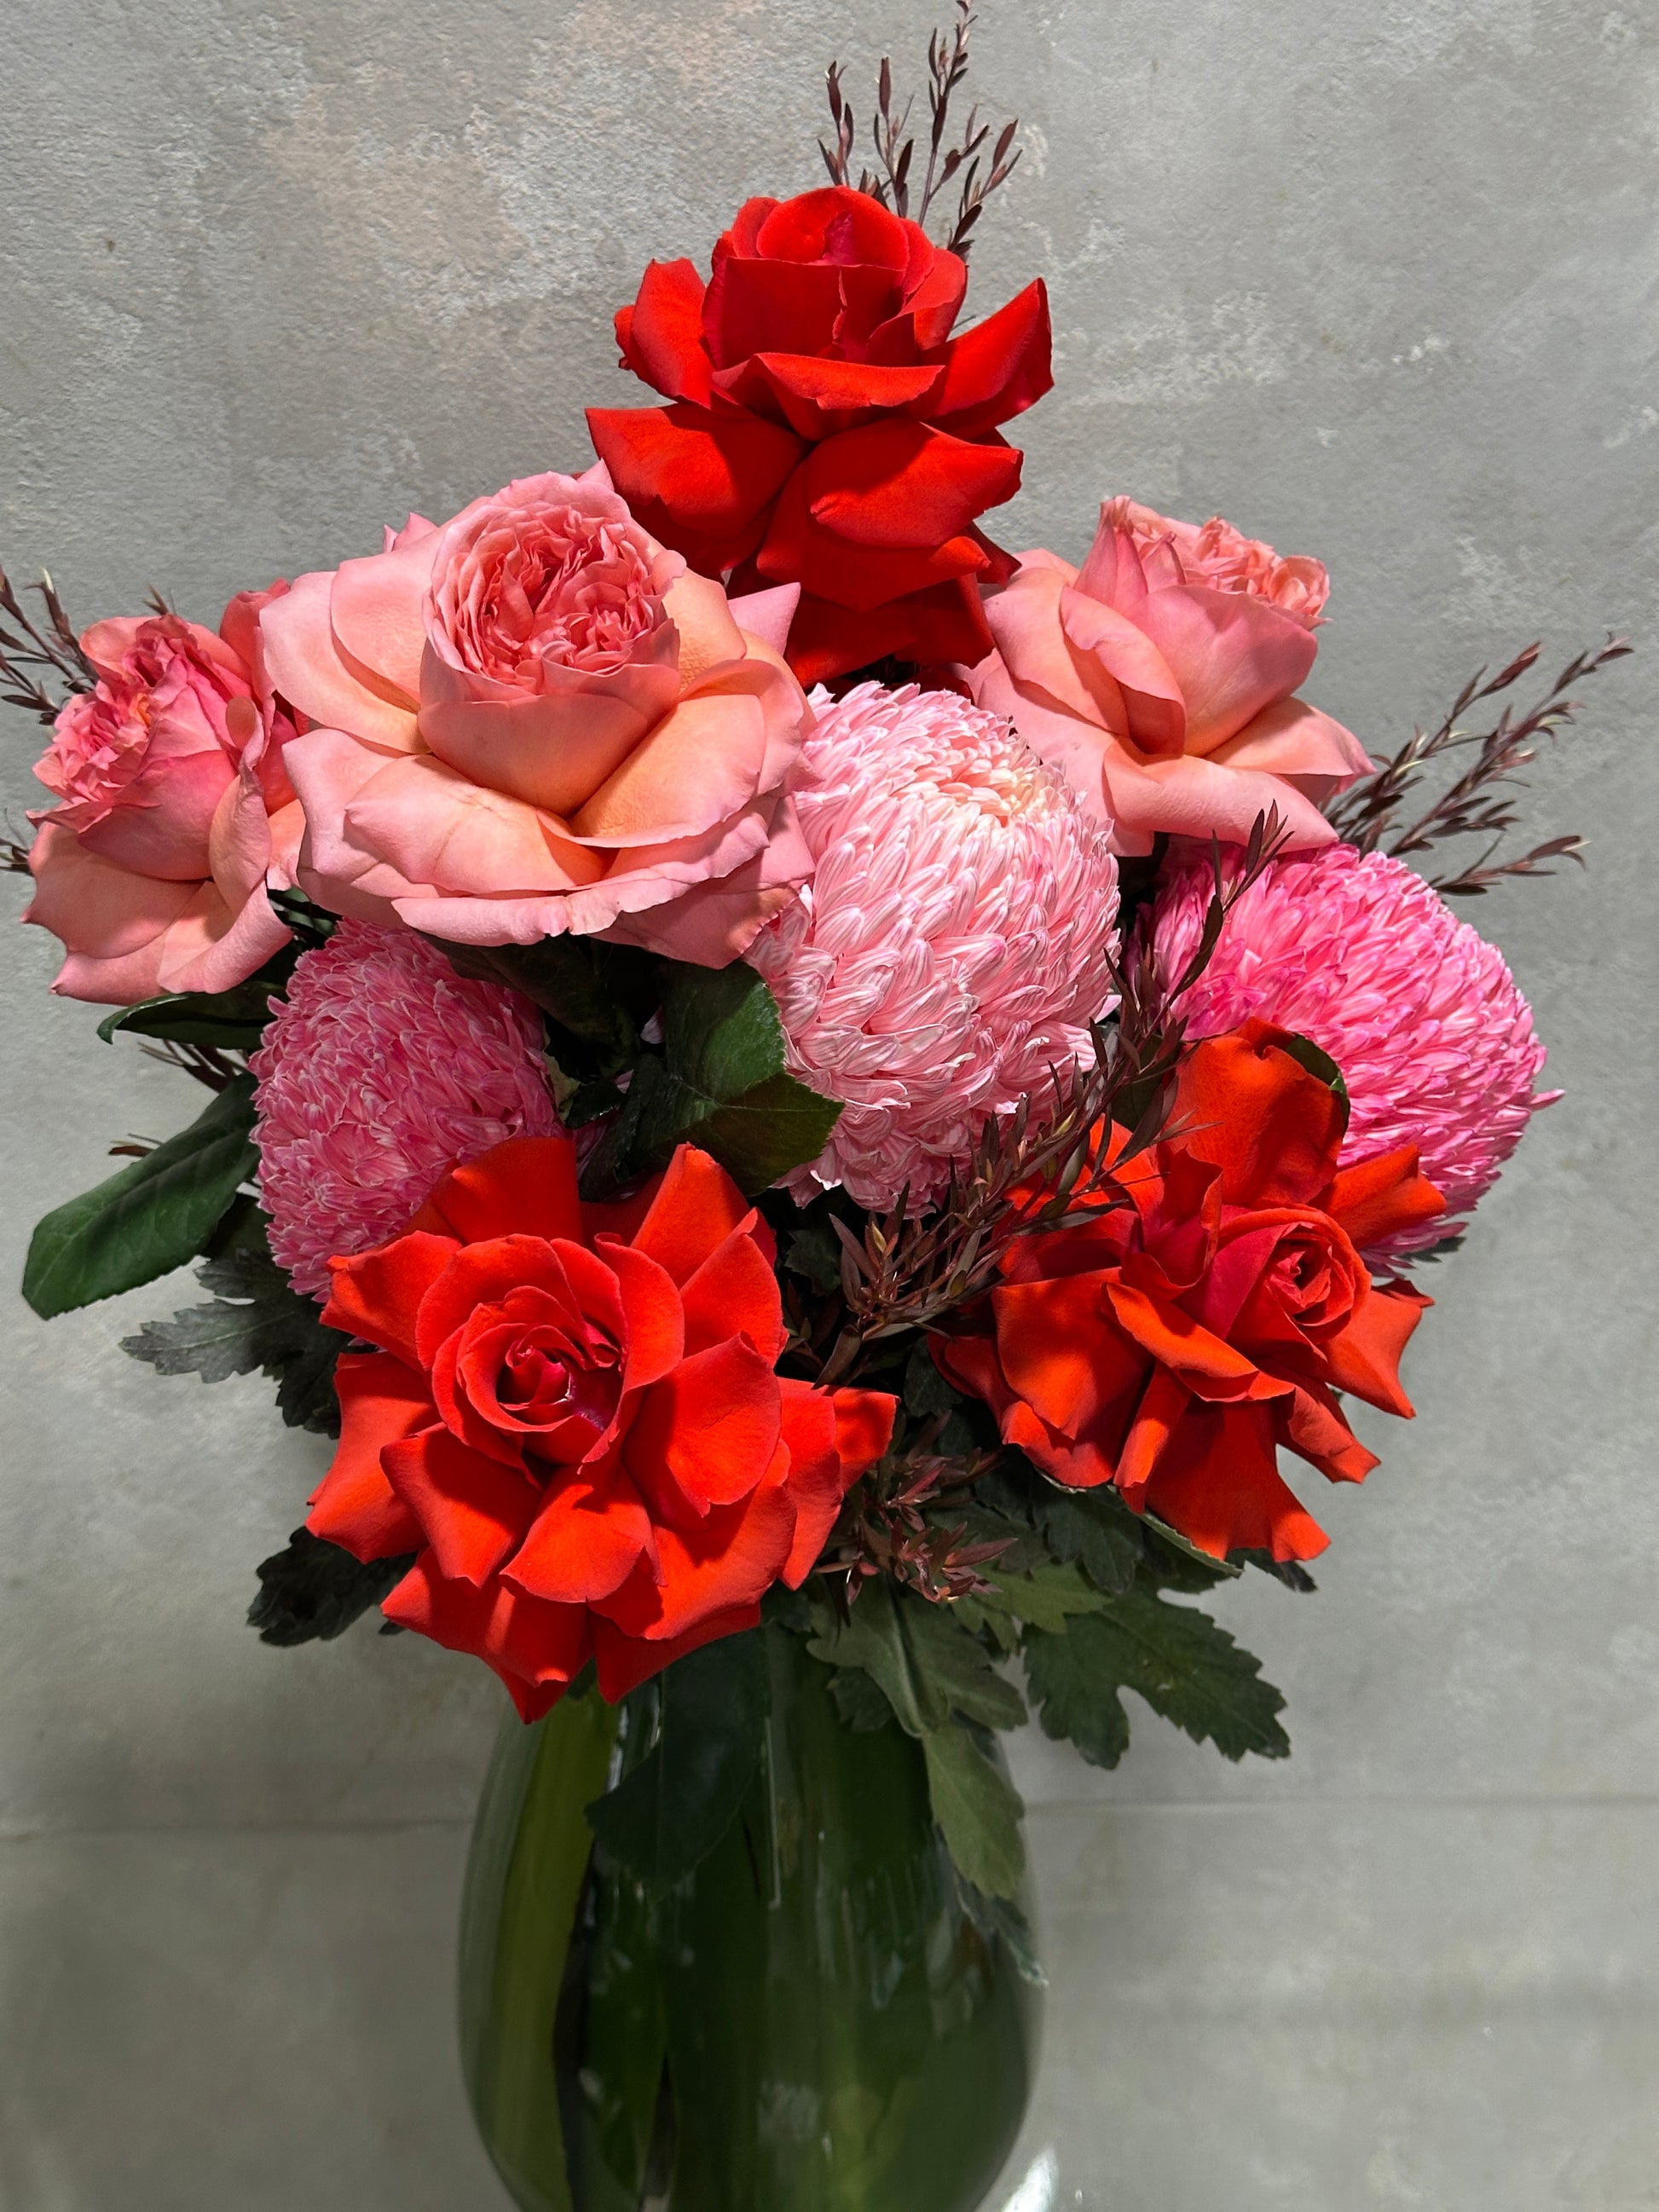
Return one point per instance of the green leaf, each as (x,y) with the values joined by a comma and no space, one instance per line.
(314,1591)
(926,1393)
(596,995)
(861,1705)
(1001,1917)
(1318,1061)
(721,1084)
(978,1810)
(150,1217)
(1095,1531)
(256,1320)
(1180,1661)
(871,1639)
(1174,1563)
(955,1666)
(814,1253)
(665,1815)
(233,1020)
(1046,1597)
(1076,1696)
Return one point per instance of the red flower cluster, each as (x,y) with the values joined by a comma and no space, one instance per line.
(825,429)
(1171,1344)
(572,1419)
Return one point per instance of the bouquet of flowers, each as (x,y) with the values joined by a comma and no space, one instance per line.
(830,1116)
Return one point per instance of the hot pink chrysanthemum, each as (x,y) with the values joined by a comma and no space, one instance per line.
(952,945)
(1436,1044)
(381,1071)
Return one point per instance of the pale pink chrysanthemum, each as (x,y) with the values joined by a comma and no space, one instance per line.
(952,945)
(383,1069)
(1435,1043)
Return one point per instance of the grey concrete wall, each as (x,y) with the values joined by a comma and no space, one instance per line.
(1375,278)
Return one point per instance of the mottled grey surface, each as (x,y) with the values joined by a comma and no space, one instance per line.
(1375,278)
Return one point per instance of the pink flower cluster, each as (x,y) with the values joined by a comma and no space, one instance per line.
(1435,1043)
(382,1072)
(535,719)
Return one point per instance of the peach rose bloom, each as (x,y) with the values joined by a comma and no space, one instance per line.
(1160,679)
(535,720)
(174,811)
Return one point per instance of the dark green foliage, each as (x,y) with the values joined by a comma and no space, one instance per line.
(1318,1061)
(719,1083)
(813,1252)
(939,1685)
(233,1021)
(150,1217)
(314,1591)
(860,1704)
(978,1810)
(256,1320)
(1181,1663)
(1097,1531)
(595,996)
(675,1804)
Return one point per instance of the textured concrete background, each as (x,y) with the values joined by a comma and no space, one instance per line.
(1375,278)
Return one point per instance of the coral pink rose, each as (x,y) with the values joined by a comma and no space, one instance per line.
(174,811)
(535,720)
(1160,679)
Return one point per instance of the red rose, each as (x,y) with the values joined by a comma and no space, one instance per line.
(574,1420)
(826,429)
(1172,1344)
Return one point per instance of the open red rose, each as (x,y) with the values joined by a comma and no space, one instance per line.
(574,1421)
(1172,1343)
(825,429)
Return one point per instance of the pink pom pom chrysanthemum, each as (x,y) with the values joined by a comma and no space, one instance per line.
(1355,950)
(953,944)
(383,1070)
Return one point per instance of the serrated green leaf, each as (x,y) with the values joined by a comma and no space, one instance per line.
(258,1319)
(1186,1667)
(1076,1695)
(955,1665)
(313,1591)
(232,1020)
(1096,1532)
(978,1810)
(721,1084)
(668,1813)
(1002,1626)
(150,1217)
(1173,1562)
(1044,1597)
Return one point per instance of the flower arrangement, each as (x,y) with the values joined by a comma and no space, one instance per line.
(778,1069)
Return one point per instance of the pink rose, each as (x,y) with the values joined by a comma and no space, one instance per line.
(1159,678)
(535,720)
(174,811)
(1216,554)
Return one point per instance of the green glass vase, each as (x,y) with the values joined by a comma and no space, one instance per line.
(811,2022)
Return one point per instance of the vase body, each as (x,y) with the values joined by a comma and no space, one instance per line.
(810,2022)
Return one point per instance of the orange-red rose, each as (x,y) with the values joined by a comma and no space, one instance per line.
(824,426)
(572,1419)
(1171,1345)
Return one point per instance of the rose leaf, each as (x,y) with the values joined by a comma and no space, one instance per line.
(150,1217)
